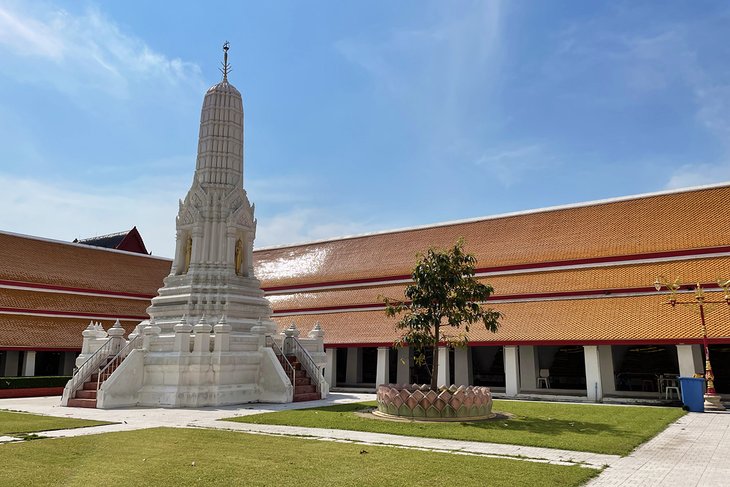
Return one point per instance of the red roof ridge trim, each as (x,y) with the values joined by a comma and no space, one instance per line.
(70,314)
(558,295)
(83,246)
(546,209)
(35,286)
(548,343)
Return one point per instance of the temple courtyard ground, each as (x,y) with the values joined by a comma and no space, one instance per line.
(148,446)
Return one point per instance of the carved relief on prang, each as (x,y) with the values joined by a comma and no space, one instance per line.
(190,210)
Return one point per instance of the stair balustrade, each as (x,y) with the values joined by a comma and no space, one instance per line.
(292,346)
(89,367)
(289,369)
(108,369)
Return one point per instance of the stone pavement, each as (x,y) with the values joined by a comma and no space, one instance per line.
(693,451)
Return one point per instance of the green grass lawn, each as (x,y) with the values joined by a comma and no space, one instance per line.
(17,423)
(582,427)
(181,457)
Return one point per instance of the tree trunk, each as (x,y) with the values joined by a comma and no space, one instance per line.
(435,360)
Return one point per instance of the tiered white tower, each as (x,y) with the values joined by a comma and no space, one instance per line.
(208,340)
(212,273)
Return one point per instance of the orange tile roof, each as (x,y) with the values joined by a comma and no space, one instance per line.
(565,281)
(659,223)
(72,303)
(38,332)
(34,260)
(617,319)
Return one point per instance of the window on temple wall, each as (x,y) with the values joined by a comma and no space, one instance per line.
(188,253)
(239,257)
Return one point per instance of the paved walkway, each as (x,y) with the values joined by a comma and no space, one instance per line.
(694,451)
(691,452)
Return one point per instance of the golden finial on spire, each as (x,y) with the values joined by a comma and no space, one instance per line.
(226,67)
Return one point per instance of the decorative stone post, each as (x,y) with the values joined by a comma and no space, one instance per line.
(316,332)
(182,336)
(288,333)
(88,334)
(222,336)
(116,333)
(202,337)
(150,334)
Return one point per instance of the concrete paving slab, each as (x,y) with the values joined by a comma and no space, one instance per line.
(693,451)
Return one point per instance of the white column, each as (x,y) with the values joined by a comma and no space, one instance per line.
(404,365)
(528,367)
(330,369)
(511,371)
(690,360)
(462,366)
(68,363)
(11,363)
(353,365)
(444,373)
(28,364)
(382,375)
(594,388)
(178,265)
(248,249)
(608,379)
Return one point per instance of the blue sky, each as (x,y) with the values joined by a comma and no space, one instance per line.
(360,116)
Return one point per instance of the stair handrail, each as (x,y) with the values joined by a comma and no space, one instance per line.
(116,360)
(293,346)
(86,370)
(289,369)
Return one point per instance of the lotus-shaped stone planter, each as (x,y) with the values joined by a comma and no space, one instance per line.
(462,403)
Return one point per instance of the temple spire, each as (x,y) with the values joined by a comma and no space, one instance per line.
(226,67)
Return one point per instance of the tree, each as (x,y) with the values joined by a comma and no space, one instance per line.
(444,293)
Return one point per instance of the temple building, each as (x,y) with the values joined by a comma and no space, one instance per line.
(574,284)
(129,240)
(582,318)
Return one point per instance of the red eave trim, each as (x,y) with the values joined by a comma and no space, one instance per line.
(39,349)
(552,343)
(72,314)
(711,286)
(516,267)
(35,285)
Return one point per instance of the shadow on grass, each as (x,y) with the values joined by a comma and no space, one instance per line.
(545,426)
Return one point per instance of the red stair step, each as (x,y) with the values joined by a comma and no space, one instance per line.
(89,386)
(309,396)
(82,403)
(86,394)
(304,389)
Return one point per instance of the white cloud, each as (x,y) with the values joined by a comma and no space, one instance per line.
(509,166)
(64,212)
(698,175)
(435,72)
(306,224)
(78,53)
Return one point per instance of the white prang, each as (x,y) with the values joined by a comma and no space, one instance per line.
(212,273)
(206,341)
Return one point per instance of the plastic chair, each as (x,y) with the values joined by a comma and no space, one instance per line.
(671,389)
(544,378)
